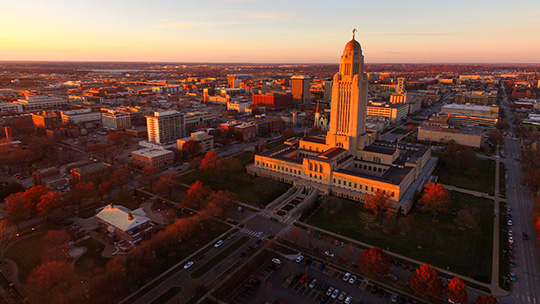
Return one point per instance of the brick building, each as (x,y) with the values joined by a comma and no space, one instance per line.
(95,173)
(157,158)
(273,101)
(125,224)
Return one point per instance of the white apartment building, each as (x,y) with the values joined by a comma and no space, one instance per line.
(40,103)
(165,127)
(115,120)
(80,116)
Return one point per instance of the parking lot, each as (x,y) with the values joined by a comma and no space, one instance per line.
(310,282)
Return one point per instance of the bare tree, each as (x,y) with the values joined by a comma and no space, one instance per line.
(7,232)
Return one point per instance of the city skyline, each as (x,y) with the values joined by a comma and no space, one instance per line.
(252,31)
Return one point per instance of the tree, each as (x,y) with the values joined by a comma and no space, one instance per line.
(166,183)
(502,125)
(331,204)
(467,218)
(425,281)
(375,262)
(49,202)
(192,148)
(486,299)
(377,203)
(295,235)
(496,137)
(105,188)
(435,199)
(117,137)
(367,218)
(196,195)
(210,161)
(53,281)
(33,197)
(7,232)
(459,158)
(56,246)
(149,176)
(457,291)
(222,199)
(286,134)
(120,177)
(81,191)
(16,207)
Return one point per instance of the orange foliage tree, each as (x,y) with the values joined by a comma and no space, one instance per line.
(166,183)
(375,262)
(378,203)
(192,148)
(435,199)
(486,299)
(196,195)
(120,177)
(54,281)
(211,160)
(49,202)
(457,291)
(425,281)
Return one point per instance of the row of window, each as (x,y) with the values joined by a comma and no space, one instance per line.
(359,187)
(368,167)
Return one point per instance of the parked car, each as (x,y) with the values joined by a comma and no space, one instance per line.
(348,300)
(324,288)
(329,291)
(346,276)
(342,296)
(299,258)
(513,277)
(510,223)
(276,261)
(511,240)
(352,279)
(335,293)
(510,233)
(313,283)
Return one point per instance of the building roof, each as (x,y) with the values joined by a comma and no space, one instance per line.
(91,168)
(152,152)
(353,45)
(119,217)
(332,153)
(455,106)
(315,139)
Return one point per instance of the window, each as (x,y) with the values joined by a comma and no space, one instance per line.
(350,184)
(392,194)
(339,181)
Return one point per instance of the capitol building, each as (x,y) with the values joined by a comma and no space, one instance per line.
(349,161)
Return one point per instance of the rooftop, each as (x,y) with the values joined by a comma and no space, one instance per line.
(91,168)
(119,217)
(152,152)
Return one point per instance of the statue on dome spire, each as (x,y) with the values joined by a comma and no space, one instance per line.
(353,33)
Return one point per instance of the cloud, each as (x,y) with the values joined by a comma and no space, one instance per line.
(410,34)
(270,15)
(184,25)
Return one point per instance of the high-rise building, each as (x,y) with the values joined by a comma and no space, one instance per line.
(399,96)
(165,127)
(349,101)
(300,86)
(116,120)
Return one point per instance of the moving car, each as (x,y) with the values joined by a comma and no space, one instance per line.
(219,243)
(188,264)
(525,236)
(513,277)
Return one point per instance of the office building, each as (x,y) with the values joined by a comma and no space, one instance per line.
(300,88)
(157,158)
(115,120)
(204,139)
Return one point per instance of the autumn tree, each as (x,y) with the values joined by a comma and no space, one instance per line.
(166,183)
(467,218)
(81,191)
(288,133)
(192,148)
(211,160)
(378,204)
(196,195)
(16,207)
(222,199)
(486,299)
(502,125)
(149,176)
(457,291)
(435,199)
(49,202)
(117,137)
(54,281)
(496,137)
(56,246)
(120,177)
(105,188)
(375,262)
(425,281)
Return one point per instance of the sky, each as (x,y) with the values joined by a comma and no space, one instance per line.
(270,31)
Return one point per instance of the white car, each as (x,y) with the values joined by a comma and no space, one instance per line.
(219,243)
(335,293)
(348,300)
(188,264)
(328,253)
(260,234)
(510,233)
(352,279)
(511,240)
(299,258)
(510,223)
(346,277)
(276,261)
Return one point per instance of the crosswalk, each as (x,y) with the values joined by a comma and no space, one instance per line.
(251,232)
(526,299)
(265,213)
(285,230)
(247,218)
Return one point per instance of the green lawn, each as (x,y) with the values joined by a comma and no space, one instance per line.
(219,257)
(442,244)
(26,253)
(483,182)
(502,180)
(257,191)
(91,262)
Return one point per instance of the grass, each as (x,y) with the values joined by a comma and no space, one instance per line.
(26,253)
(257,191)
(219,257)
(441,244)
(91,262)
(167,295)
(504,263)
(483,182)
